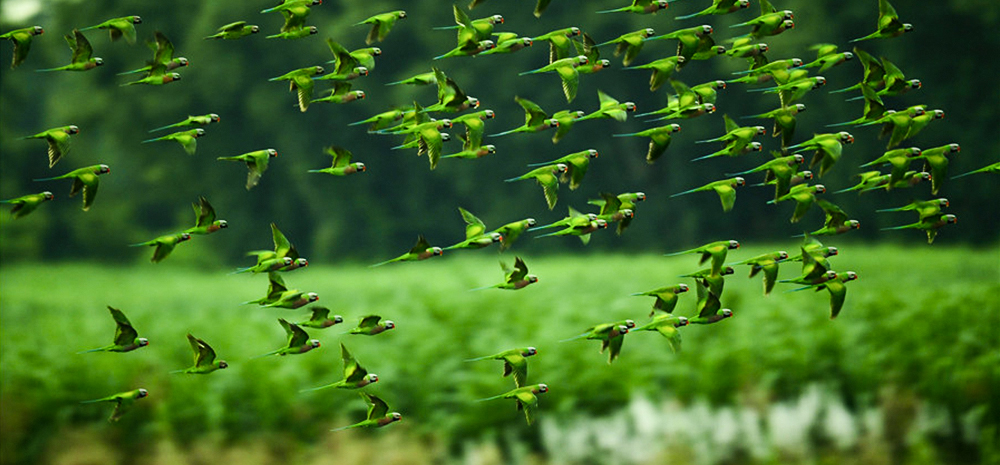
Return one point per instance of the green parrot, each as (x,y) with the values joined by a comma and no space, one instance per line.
(900,160)
(768,263)
(574,219)
(837,289)
(689,112)
(873,180)
(345,61)
(234,30)
(451,99)
(719,7)
(85,179)
(163,57)
(164,245)
(611,335)
(378,414)
(256,164)
(612,212)
(918,123)
(119,27)
(320,318)
(659,139)
(610,108)
(269,264)
(525,397)
(476,236)
(294,33)
(874,108)
(815,268)
(581,231)
(473,153)
(188,139)
(667,326)
(836,221)
(689,40)
(896,124)
(666,297)
(576,164)
(58,140)
(560,41)
(548,178)
(814,247)
(804,195)
(770,22)
(707,281)
(382,120)
(82,52)
(298,341)
(630,44)
(421,251)
(469,48)
(21,38)
(123,402)
(736,141)
(751,52)
(280,296)
(205,222)
(509,42)
(565,119)
(370,326)
(642,7)
(204,358)
(341,93)
(514,279)
(192,121)
(342,164)
(587,47)
(784,121)
(126,337)
(874,73)
(469,29)
(26,204)
(825,62)
(511,231)
(663,69)
(566,68)
(930,225)
(513,362)
(627,201)
(894,81)
(731,150)
(430,140)
(716,251)
(157,77)
(381,25)
(828,149)
(936,162)
(924,208)
(283,248)
(994,168)
(355,375)
(709,309)
(726,188)
(889,24)
(535,119)
(300,81)
(475,126)
(794,90)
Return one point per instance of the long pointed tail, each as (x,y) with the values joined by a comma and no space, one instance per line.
(359,123)
(48,179)
(892,228)
(488,357)
(512,131)
(546,235)
(512,179)
(152,140)
(265,355)
(534,71)
(631,134)
(711,155)
(134,71)
(177,371)
(99,349)
(685,192)
(537,228)
(846,89)
(47,70)
(164,127)
(444,28)
(837,125)
(692,15)
(616,10)
(855,98)
(317,388)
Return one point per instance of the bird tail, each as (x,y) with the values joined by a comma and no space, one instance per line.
(540,164)
(139,244)
(134,71)
(855,98)
(711,155)
(739,25)
(849,189)
(268,10)
(546,235)
(444,28)
(265,355)
(846,89)
(241,270)
(488,357)
(152,140)
(579,336)
(490,398)
(616,10)
(896,227)
(536,228)
(953,177)
(649,113)
(762,89)
(707,141)
(480,289)
(48,179)
(440,57)
(534,71)
(837,125)
(88,28)
(46,70)
(631,134)
(359,123)
(684,193)
(92,401)
(692,15)
(99,349)
(177,371)
(316,388)
(503,133)
(505,180)
(382,263)
(163,127)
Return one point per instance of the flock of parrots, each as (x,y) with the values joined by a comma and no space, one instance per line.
(572,53)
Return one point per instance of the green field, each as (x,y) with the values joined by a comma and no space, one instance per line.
(911,367)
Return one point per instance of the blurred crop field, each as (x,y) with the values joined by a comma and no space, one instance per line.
(909,373)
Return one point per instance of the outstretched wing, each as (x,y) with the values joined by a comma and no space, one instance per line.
(473,225)
(125,334)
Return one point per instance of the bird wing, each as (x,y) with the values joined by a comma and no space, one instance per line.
(570,81)
(672,334)
(233,27)
(282,248)
(473,225)
(204,354)
(88,183)
(125,334)
(520,271)
(353,372)
(81,47)
(838,293)
(430,142)
(533,114)
(341,156)
(164,50)
(296,336)
(835,216)
(369,321)
(727,194)
(319,313)
(377,408)
(527,401)
(550,186)
(421,246)
(204,213)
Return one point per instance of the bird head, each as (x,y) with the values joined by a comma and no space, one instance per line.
(819,188)
(48,196)
(540,389)
(375,51)
(709,108)
(627,213)
(787,14)
(581,60)
(907,27)
(914,84)
(198,132)
(314,343)
(601,224)
(103,169)
(473,102)
(796,62)
(756,147)
(254,29)
(184,237)
(551,122)
(526,41)
(372,378)
(591,216)
(402,14)
(680,288)
(831,251)
(830,274)
(744,3)
(72,129)
(938,114)
(445,123)
(820,80)
(561,168)
(496,19)
(681,321)
(629,324)
(361,71)
(389,324)
(300,262)
(359,95)
(437,251)
(490,148)
(337,319)
(806,175)
(530,222)
(640,196)
(622,329)
(359,166)
(489,114)
(706,29)
(143,393)
(143,342)
(37,30)
(727,313)
(98,61)
(496,237)
(573,31)
(845,137)
(135,20)
(532,279)
(954,148)
(181,61)
(445,137)
(782,255)
(221,224)
(171,77)
(662,4)
(761,48)
(312,296)
(942,202)
(648,32)
(313,30)
(950,219)
(854,224)
(529,352)
(318,70)
(739,181)
(223,365)
(487,45)
(396,416)
(592,153)
(849,276)
(727,270)
(733,245)
(272,153)
(798,159)
(214,117)
(913,152)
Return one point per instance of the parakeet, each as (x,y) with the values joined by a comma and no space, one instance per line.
(82,51)
(204,358)
(278,295)
(123,402)
(559,42)
(21,38)
(421,251)
(355,375)
(837,289)
(205,222)
(191,121)
(295,13)
(58,140)
(298,341)
(163,57)
(234,31)
(889,24)
(768,263)
(930,225)
(513,362)
(719,7)
(300,81)
(610,108)
(689,40)
(709,309)
(836,222)
(936,161)
(514,279)
(641,7)
(511,231)
(188,139)
(256,164)
(726,189)
(707,281)
(508,42)
(451,98)
(295,33)
(476,236)
(576,164)
(993,168)
(666,297)
(900,160)
(716,251)
(370,326)
(378,414)
(630,44)
(119,27)
(667,325)
(659,139)
(566,68)
(524,396)
(535,119)
(164,245)
(784,121)
(735,139)
(126,337)
(85,179)
(381,25)
(828,149)
(342,164)
(320,318)
(663,69)
(804,195)
(548,178)
(26,204)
